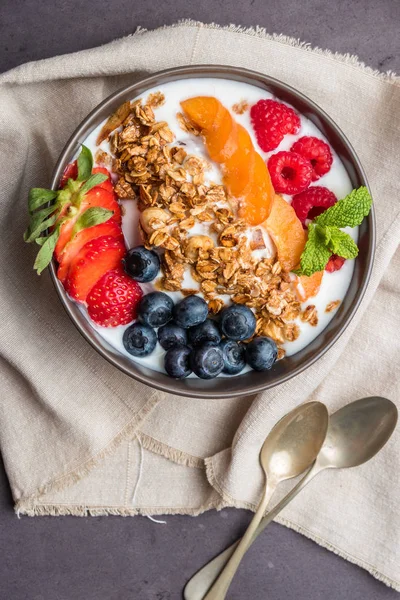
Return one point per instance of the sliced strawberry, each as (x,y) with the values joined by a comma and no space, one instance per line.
(99,196)
(107,184)
(113,300)
(64,237)
(84,236)
(70,172)
(91,263)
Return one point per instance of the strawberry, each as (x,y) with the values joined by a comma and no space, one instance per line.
(70,172)
(107,184)
(113,300)
(92,261)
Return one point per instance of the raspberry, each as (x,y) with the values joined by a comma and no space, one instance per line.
(313,202)
(317,152)
(335,263)
(271,121)
(290,172)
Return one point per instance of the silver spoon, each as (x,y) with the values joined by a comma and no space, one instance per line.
(356,433)
(289,449)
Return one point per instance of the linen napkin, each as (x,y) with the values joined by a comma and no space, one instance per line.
(79,437)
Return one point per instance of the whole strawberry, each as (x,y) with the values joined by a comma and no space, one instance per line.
(113,299)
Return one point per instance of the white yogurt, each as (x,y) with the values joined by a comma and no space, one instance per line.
(334,285)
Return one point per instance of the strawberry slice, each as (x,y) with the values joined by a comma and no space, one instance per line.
(107,184)
(113,300)
(98,196)
(70,172)
(84,236)
(91,263)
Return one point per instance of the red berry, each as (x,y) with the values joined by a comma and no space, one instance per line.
(335,263)
(317,152)
(70,172)
(313,202)
(271,121)
(290,172)
(113,300)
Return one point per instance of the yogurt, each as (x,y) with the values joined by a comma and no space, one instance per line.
(334,285)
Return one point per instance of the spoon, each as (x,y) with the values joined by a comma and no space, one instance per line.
(289,449)
(356,433)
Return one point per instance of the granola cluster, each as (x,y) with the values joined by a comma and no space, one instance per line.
(173,197)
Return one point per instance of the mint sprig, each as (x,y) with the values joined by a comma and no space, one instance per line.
(325,236)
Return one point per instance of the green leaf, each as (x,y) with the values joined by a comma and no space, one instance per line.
(45,253)
(85,164)
(342,244)
(92,182)
(38,197)
(91,217)
(315,254)
(39,223)
(348,212)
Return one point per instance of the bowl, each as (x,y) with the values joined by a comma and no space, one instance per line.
(251,382)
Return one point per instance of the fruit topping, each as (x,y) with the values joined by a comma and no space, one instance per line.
(255,207)
(171,335)
(91,263)
(190,311)
(177,362)
(271,121)
(207,331)
(238,322)
(139,339)
(287,233)
(155,309)
(335,263)
(207,361)
(70,172)
(113,300)
(290,173)
(141,264)
(313,202)
(317,152)
(261,353)
(234,357)
(307,287)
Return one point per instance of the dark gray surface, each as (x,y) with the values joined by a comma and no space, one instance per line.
(134,559)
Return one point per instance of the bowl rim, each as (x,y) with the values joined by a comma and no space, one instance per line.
(223,72)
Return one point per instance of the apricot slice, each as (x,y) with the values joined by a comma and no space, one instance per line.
(240,166)
(202,111)
(256,205)
(307,287)
(287,233)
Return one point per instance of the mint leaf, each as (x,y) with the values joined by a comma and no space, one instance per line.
(315,254)
(85,164)
(348,212)
(91,217)
(39,223)
(92,182)
(341,243)
(45,253)
(38,197)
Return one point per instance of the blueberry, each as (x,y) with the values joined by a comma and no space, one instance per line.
(234,357)
(237,322)
(190,311)
(205,332)
(171,335)
(261,353)
(177,362)
(155,309)
(141,264)
(207,361)
(139,339)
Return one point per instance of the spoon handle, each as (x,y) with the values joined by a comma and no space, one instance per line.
(221,585)
(200,583)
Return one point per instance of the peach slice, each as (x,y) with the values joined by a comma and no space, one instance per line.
(287,233)
(307,287)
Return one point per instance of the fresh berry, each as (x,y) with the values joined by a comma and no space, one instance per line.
(139,339)
(141,264)
(177,362)
(107,184)
(91,263)
(290,172)
(261,353)
(80,239)
(312,202)
(234,357)
(317,152)
(70,172)
(237,322)
(113,300)
(190,311)
(171,335)
(271,121)
(207,361)
(205,332)
(335,263)
(155,309)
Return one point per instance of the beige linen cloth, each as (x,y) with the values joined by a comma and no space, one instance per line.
(79,437)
